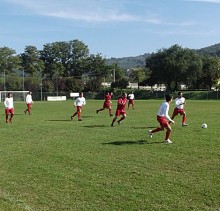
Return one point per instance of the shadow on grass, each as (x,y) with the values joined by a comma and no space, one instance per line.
(95,126)
(151,127)
(59,120)
(87,116)
(119,143)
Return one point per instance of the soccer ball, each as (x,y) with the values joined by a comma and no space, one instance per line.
(204,126)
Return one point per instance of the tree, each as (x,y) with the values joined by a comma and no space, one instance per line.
(138,75)
(74,85)
(93,84)
(210,72)
(30,61)
(9,63)
(65,58)
(120,83)
(174,66)
(77,55)
(96,66)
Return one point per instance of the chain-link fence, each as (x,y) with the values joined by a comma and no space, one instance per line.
(139,95)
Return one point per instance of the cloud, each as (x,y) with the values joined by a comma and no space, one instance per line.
(95,11)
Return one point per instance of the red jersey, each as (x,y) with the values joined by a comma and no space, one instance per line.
(108,98)
(121,103)
(107,102)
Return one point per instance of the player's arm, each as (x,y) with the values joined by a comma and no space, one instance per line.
(167,115)
(179,102)
(120,102)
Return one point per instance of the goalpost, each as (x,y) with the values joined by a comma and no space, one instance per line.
(17,95)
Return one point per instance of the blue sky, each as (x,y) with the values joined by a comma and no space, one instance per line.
(113,28)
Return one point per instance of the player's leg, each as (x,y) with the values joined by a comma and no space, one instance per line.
(168,133)
(184,119)
(175,113)
(74,114)
(122,118)
(79,110)
(6,115)
(29,108)
(26,109)
(110,111)
(162,121)
(117,113)
(11,116)
(101,109)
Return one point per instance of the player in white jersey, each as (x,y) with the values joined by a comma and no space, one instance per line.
(180,101)
(131,100)
(29,103)
(162,117)
(79,102)
(9,107)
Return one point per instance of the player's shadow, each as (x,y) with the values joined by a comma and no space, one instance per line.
(120,143)
(59,120)
(95,126)
(143,127)
(87,116)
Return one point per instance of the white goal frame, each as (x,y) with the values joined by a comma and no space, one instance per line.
(17,95)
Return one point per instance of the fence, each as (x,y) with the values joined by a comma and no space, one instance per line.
(139,94)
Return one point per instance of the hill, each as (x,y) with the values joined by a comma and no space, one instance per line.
(213,50)
(139,61)
(129,62)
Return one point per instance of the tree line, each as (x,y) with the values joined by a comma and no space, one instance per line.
(68,66)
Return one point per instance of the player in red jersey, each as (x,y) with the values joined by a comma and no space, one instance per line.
(107,103)
(120,109)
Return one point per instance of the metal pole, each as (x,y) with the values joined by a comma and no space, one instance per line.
(41,85)
(4,83)
(23,86)
(113,75)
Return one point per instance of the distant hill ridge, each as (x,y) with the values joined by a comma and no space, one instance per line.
(139,61)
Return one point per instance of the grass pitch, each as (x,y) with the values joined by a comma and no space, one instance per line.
(49,162)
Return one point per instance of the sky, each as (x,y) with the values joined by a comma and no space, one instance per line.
(112,28)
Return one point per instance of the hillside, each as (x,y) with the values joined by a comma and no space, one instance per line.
(129,62)
(139,61)
(213,50)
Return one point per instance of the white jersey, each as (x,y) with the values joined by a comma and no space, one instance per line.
(163,110)
(80,101)
(9,102)
(29,99)
(179,102)
(131,96)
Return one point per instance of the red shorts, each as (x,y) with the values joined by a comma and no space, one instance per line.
(29,105)
(9,111)
(120,112)
(106,105)
(131,101)
(79,108)
(178,111)
(163,121)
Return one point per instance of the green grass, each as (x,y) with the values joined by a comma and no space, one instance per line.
(48,162)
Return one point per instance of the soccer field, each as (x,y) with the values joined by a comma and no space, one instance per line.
(49,162)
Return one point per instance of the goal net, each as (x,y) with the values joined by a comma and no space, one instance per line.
(17,95)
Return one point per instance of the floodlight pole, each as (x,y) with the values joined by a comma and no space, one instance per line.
(113,75)
(4,83)
(41,89)
(23,86)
